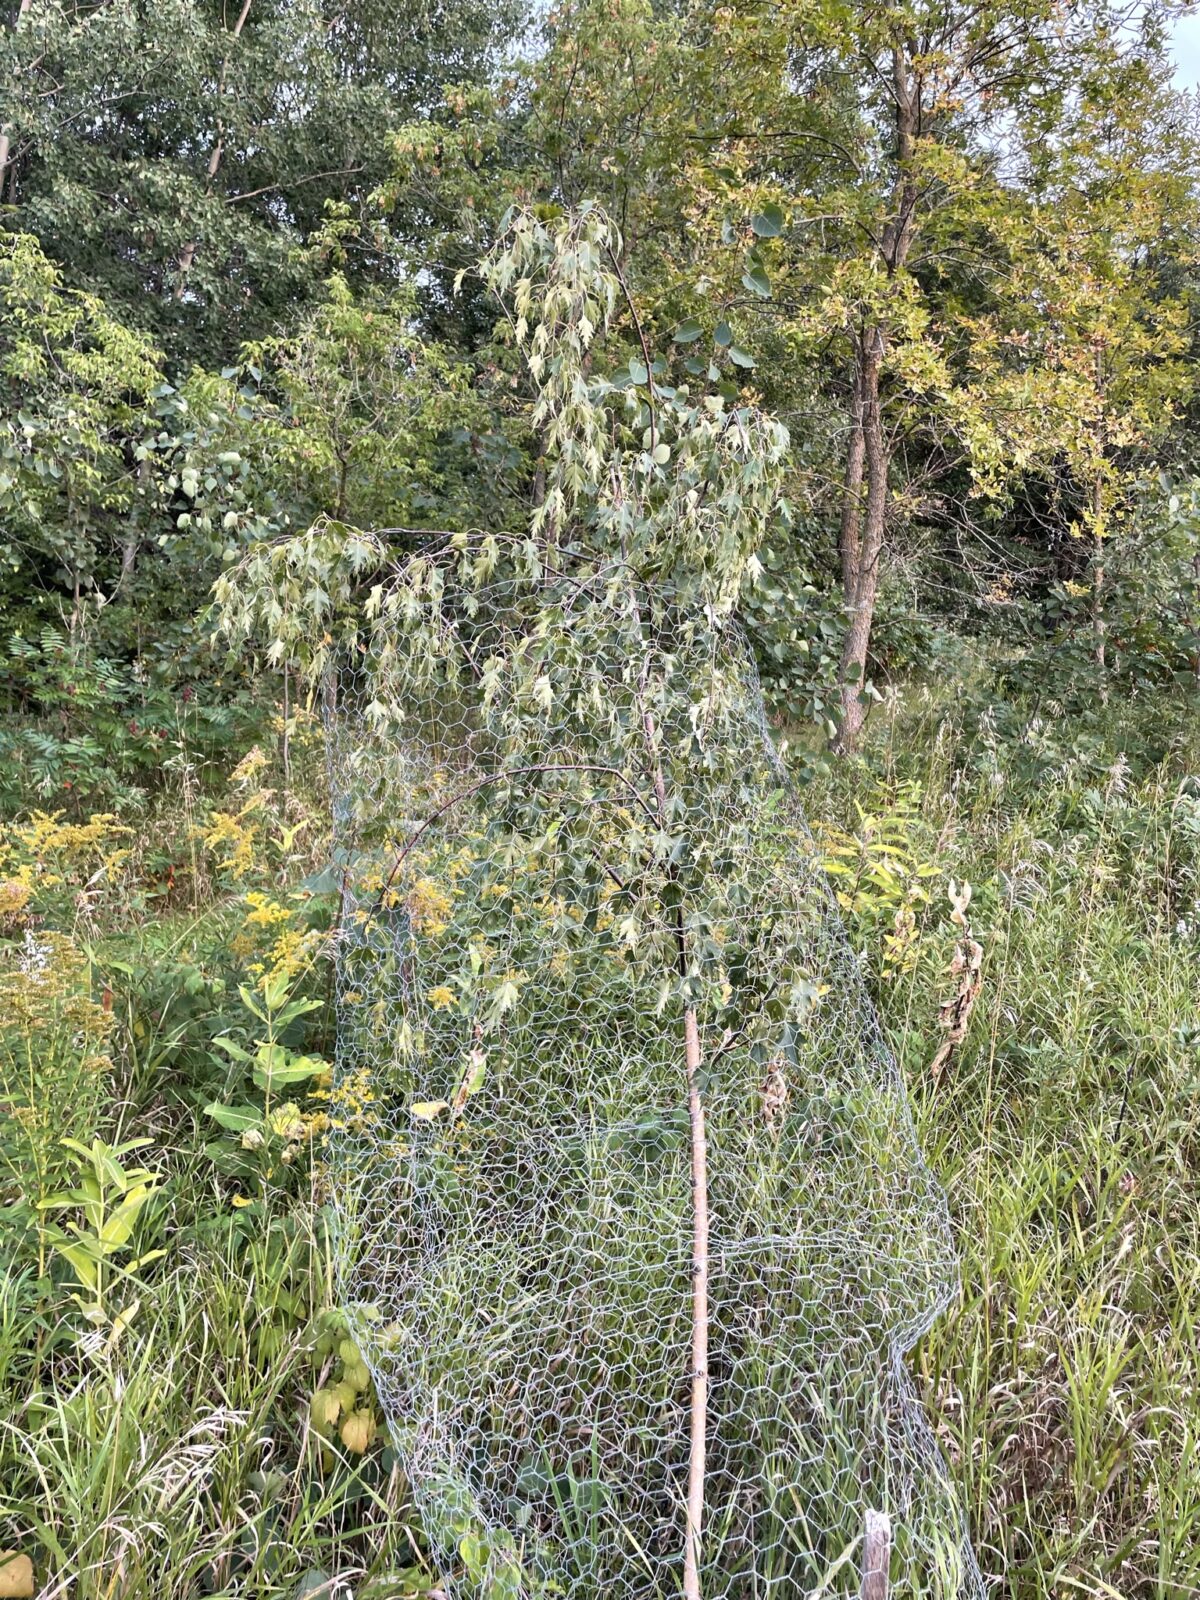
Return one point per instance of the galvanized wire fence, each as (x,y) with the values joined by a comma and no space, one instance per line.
(567,848)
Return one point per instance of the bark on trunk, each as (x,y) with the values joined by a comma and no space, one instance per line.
(6,130)
(188,254)
(863,525)
(1098,573)
(862,579)
(850,530)
(129,554)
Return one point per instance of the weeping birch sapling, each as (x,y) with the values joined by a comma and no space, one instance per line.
(654,504)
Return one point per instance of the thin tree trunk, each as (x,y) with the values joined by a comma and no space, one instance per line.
(131,544)
(286,741)
(698,1426)
(699,1418)
(549,531)
(861,593)
(1098,573)
(188,254)
(5,131)
(850,530)
(129,554)
(1098,576)
(863,526)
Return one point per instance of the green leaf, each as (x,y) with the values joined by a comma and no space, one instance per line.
(119,1226)
(82,1262)
(231,1049)
(722,335)
(327,881)
(687,332)
(275,990)
(768,224)
(757,282)
(275,1073)
(235,1118)
(250,1002)
(294,1009)
(739,357)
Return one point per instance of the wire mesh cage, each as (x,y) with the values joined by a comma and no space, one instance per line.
(633,1226)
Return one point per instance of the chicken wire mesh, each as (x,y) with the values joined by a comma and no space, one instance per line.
(562,827)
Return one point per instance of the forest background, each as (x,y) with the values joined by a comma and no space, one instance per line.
(954,249)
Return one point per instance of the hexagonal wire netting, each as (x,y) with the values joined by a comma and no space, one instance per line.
(557,843)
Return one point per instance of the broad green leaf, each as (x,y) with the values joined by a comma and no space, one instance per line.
(82,1262)
(234,1118)
(768,223)
(277,1073)
(235,1050)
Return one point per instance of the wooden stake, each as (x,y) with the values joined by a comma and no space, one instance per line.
(967,971)
(877,1557)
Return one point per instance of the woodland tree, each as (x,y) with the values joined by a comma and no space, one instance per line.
(173,158)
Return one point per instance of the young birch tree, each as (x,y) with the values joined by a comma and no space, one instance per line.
(658,498)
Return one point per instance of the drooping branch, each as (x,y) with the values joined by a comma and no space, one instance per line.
(486,783)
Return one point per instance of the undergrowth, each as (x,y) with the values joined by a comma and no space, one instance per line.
(203,1425)
(1065,1130)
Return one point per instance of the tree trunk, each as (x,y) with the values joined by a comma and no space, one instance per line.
(130,545)
(188,254)
(863,526)
(5,131)
(861,573)
(1098,573)
(285,743)
(698,1425)
(699,1417)
(850,530)
(131,542)
(1098,629)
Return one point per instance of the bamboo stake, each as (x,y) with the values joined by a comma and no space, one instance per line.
(699,1418)
(698,1427)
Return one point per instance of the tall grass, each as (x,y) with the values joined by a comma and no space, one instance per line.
(1066,1131)
(181,1462)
